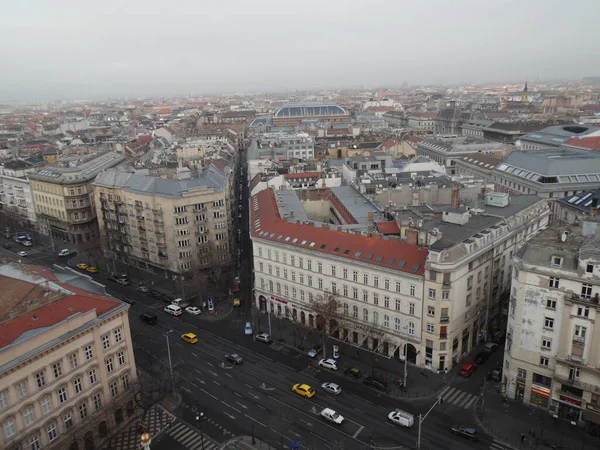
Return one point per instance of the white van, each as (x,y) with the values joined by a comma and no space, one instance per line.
(401,418)
(65,252)
(174,310)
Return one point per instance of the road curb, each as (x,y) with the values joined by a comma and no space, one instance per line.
(486,429)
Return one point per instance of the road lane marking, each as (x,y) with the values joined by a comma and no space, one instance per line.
(306,422)
(208,393)
(286,366)
(226,404)
(201,381)
(193,384)
(262,407)
(235,393)
(236,410)
(194,354)
(198,371)
(186,389)
(357,431)
(262,424)
(248,385)
(470,402)
(210,364)
(359,410)
(217,383)
(243,406)
(230,376)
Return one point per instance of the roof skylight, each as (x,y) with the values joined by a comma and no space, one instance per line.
(401,264)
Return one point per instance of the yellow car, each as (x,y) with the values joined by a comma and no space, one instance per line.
(82,266)
(303,390)
(92,269)
(236,302)
(190,338)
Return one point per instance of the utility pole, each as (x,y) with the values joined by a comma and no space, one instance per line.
(170,365)
(422,419)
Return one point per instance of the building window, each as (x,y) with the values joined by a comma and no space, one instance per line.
(398,286)
(365,279)
(431,294)
(386,284)
(83,412)
(376,299)
(431,311)
(333,271)
(89,353)
(345,274)
(125,380)
(286,290)
(550,303)
(386,321)
(294,277)
(97,401)
(301,295)
(68,421)
(293,292)
(411,309)
(580,333)
(554,282)
(9,429)
(34,443)
(93,378)
(412,290)
(22,389)
(118,335)
(355,312)
(345,291)
(73,360)
(278,286)
(583,311)
(589,268)
(114,388)
(544,361)
(365,314)
(78,385)
(28,416)
(4,399)
(445,295)
(320,284)
(109,365)
(397,324)
(57,369)
(365,296)
(546,344)
(40,378)
(285,272)
(62,394)
(346,310)
(320,267)
(46,404)
(309,280)
(355,293)
(376,281)
(354,276)
(270,269)
(556,261)
(277,271)
(398,304)
(549,322)
(430,328)
(386,301)
(411,328)
(52,432)
(121,357)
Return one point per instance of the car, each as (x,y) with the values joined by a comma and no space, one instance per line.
(7,246)
(123,282)
(329,363)
(190,338)
(264,337)
(466,432)
(167,298)
(193,310)
(331,416)
(481,357)
(490,347)
(234,358)
(150,319)
(27,243)
(92,269)
(467,369)
(236,284)
(248,329)
(402,418)
(353,372)
(82,266)
(313,352)
(331,388)
(128,300)
(303,390)
(236,302)
(153,294)
(376,383)
(496,375)
(22,254)
(143,289)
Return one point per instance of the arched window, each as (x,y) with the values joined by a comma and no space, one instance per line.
(355,312)
(397,324)
(345,309)
(365,314)
(375,317)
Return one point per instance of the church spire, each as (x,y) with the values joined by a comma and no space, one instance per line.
(525,88)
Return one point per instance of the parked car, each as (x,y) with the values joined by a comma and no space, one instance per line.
(376,383)
(496,374)
(468,369)
(481,357)
(154,294)
(22,254)
(123,282)
(92,269)
(264,337)
(143,289)
(353,372)
(490,347)
(82,266)
(313,352)
(236,284)
(194,310)
(331,388)
(234,358)
(331,416)
(466,432)
(248,329)
(148,318)
(27,243)
(329,363)
(236,302)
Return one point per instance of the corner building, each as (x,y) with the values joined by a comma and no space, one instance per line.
(379,282)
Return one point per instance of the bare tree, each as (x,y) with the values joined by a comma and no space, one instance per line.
(327,307)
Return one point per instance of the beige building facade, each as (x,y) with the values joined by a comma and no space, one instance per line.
(63,199)
(66,363)
(166,225)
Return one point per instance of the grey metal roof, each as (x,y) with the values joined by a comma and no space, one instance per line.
(582,201)
(211,178)
(357,205)
(557,135)
(83,172)
(288,204)
(460,144)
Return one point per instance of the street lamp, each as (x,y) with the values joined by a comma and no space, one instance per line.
(199,417)
(170,364)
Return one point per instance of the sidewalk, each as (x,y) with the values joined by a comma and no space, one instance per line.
(506,421)
(421,383)
(244,443)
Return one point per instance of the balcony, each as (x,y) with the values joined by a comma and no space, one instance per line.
(199,210)
(201,232)
(180,213)
(162,255)
(139,206)
(142,229)
(578,339)
(443,335)
(158,222)
(447,284)
(157,211)
(575,382)
(143,240)
(161,244)
(160,232)
(585,299)
(141,218)
(444,319)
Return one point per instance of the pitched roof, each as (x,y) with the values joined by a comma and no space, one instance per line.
(296,176)
(268,225)
(387,227)
(592,142)
(414,139)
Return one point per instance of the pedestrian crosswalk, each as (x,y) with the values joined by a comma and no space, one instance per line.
(497,445)
(457,397)
(190,438)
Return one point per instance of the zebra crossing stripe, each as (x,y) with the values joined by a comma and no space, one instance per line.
(444,391)
(449,393)
(188,437)
(463,401)
(457,400)
(470,402)
(454,396)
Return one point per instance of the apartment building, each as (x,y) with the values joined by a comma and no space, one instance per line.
(378,282)
(166,224)
(552,355)
(467,273)
(15,192)
(66,362)
(63,198)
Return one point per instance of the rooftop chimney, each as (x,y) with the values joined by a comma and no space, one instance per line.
(292,213)
(594,208)
(370,216)
(412,236)
(454,197)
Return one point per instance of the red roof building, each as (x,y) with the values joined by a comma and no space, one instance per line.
(586,143)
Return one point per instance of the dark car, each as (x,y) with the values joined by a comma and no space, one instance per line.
(154,294)
(496,375)
(234,358)
(6,245)
(167,298)
(148,318)
(466,432)
(481,357)
(128,300)
(353,372)
(376,383)
(112,279)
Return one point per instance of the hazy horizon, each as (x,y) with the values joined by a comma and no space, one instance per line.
(70,50)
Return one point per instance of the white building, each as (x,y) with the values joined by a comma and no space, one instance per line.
(15,191)
(379,281)
(552,353)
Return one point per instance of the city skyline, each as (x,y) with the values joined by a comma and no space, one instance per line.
(141,50)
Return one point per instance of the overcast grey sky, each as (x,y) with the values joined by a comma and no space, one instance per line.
(109,48)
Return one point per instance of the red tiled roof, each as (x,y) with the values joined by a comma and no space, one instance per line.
(52,313)
(164,111)
(388,227)
(592,143)
(295,176)
(395,255)
(145,139)
(334,131)
(414,139)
